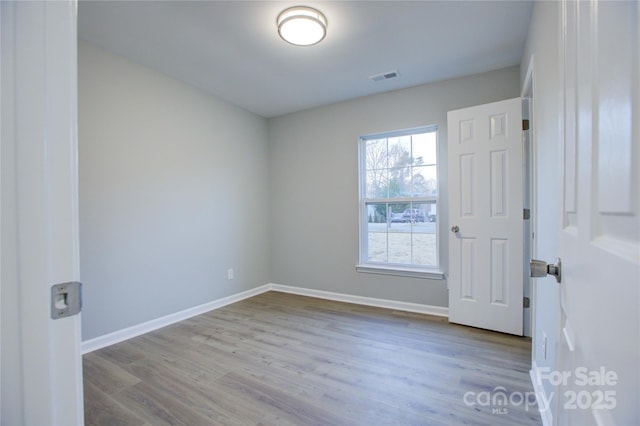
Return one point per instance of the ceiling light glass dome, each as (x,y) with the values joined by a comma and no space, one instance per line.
(302,26)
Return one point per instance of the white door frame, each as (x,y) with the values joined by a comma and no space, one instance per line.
(42,365)
(546,403)
(529,196)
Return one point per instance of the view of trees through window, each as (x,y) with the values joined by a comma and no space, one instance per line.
(399,203)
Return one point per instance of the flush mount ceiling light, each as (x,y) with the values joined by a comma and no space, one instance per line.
(302,26)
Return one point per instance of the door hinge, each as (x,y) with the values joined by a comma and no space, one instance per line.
(525,125)
(526,302)
(526,214)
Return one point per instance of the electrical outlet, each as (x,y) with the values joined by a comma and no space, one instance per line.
(544,345)
(230,274)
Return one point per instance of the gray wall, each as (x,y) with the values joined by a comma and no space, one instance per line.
(173,191)
(177,186)
(314,183)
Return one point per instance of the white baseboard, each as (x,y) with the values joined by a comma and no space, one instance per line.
(137,330)
(544,408)
(361,300)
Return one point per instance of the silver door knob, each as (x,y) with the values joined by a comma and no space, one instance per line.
(455,229)
(540,268)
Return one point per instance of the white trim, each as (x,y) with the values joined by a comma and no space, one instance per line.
(42,374)
(433,274)
(528,91)
(440,311)
(146,327)
(137,330)
(545,411)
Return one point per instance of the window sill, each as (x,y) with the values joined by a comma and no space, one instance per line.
(401,272)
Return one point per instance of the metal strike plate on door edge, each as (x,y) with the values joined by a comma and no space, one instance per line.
(66,299)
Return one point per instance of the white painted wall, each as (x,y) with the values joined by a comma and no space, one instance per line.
(11,380)
(314,183)
(542,49)
(173,192)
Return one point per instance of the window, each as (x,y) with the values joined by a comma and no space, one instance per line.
(399,202)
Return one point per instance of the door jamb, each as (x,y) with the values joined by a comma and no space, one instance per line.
(529,197)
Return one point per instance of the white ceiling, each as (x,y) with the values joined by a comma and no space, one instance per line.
(231,49)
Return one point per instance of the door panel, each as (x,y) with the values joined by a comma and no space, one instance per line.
(468,269)
(485,177)
(600,230)
(499,173)
(467,185)
(499,273)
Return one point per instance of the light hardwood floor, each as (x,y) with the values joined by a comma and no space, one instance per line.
(281,359)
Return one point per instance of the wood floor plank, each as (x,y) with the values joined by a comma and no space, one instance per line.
(288,404)
(159,406)
(281,359)
(181,387)
(123,352)
(105,375)
(101,409)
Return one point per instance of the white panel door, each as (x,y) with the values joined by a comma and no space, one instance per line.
(599,241)
(485,214)
(42,377)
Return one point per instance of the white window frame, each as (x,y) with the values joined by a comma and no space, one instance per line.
(416,271)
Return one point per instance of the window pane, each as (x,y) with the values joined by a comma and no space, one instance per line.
(376,151)
(400,151)
(425,181)
(377,213)
(424,149)
(432,212)
(424,249)
(400,182)
(396,213)
(377,232)
(399,240)
(377,184)
(400,247)
(424,242)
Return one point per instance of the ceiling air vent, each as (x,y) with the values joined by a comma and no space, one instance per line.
(384,76)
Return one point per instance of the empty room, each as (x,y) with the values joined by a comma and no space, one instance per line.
(326,212)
